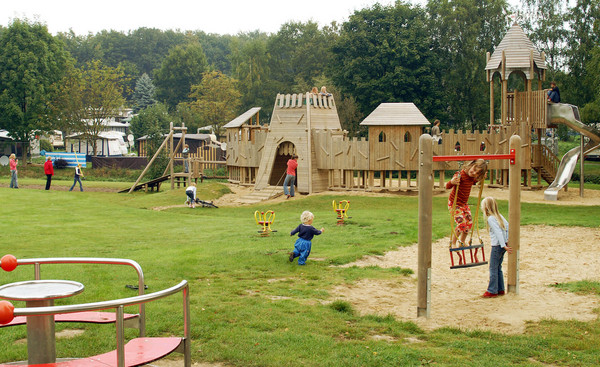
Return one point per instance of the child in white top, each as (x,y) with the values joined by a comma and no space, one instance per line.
(190,192)
(498,227)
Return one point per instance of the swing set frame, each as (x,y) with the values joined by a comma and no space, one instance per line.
(426,181)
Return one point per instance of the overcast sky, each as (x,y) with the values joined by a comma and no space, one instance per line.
(210,16)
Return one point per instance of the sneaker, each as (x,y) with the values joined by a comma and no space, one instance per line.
(501,293)
(291,256)
(489,295)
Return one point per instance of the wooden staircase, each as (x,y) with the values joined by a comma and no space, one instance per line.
(256,196)
(546,165)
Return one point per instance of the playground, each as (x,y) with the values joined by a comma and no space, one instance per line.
(356,301)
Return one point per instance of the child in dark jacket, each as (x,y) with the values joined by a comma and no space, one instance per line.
(305,234)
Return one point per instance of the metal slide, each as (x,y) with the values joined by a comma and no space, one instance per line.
(562,113)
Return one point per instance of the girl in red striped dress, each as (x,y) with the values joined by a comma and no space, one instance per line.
(464,179)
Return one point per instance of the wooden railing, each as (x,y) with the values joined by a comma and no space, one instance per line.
(518,111)
(546,159)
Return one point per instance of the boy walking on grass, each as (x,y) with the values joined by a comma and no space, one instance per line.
(305,234)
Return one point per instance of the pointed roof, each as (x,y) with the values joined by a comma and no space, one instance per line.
(517,48)
(395,114)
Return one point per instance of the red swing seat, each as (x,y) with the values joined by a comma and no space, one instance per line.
(462,258)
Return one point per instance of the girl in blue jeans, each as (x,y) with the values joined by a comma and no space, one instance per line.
(498,227)
(305,234)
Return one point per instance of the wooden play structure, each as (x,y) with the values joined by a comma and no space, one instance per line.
(201,158)
(307,124)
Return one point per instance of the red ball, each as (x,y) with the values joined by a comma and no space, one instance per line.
(6,312)
(8,262)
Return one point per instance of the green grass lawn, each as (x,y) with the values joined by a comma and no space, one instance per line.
(249,305)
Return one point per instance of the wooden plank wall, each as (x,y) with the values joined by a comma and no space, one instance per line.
(398,151)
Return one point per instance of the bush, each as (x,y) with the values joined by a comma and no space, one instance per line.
(46,145)
(60,163)
(595,179)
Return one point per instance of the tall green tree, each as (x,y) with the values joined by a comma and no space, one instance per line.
(143,96)
(384,54)
(182,68)
(300,52)
(216,99)
(90,97)
(463,31)
(154,119)
(250,63)
(545,22)
(584,37)
(590,113)
(32,61)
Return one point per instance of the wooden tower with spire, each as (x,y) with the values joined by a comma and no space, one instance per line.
(521,111)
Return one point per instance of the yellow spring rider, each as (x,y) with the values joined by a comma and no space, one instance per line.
(341,210)
(265,219)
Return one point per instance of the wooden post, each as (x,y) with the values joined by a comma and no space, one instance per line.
(581,160)
(425,225)
(514,215)
(492,101)
(309,145)
(171,161)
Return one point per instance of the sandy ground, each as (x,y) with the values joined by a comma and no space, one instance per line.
(548,255)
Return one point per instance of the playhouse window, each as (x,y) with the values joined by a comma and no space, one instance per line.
(407,137)
(382,137)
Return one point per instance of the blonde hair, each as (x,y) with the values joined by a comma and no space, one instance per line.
(489,208)
(12,156)
(314,90)
(306,216)
(479,163)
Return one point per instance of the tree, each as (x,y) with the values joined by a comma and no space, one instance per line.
(463,31)
(152,119)
(144,93)
(590,113)
(584,36)
(181,69)
(250,63)
(90,97)
(384,54)
(216,99)
(300,52)
(31,63)
(545,21)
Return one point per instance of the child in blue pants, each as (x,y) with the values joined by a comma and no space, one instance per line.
(498,227)
(305,234)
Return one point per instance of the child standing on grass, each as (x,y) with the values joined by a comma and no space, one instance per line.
(498,227)
(77,178)
(14,182)
(305,234)
(464,179)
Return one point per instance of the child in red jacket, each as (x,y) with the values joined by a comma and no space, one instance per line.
(49,171)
